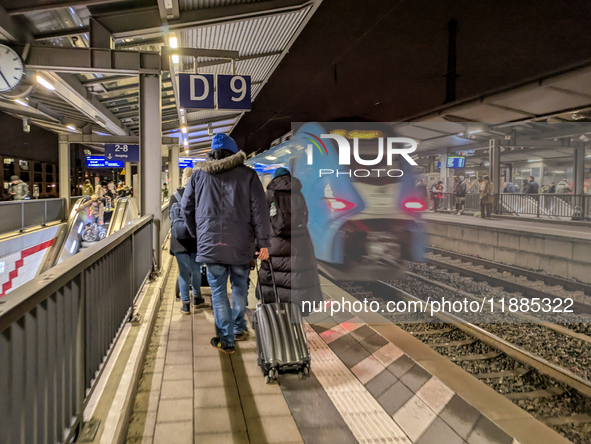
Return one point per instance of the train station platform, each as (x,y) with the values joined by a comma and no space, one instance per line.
(371,382)
(560,249)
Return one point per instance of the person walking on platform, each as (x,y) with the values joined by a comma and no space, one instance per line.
(531,187)
(226,211)
(487,197)
(460,195)
(183,247)
(18,189)
(87,189)
(291,252)
(436,191)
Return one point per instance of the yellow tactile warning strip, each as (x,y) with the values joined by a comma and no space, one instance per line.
(367,420)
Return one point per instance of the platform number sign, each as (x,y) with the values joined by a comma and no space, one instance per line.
(123,152)
(233,92)
(198,91)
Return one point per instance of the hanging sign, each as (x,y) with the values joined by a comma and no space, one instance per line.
(196,91)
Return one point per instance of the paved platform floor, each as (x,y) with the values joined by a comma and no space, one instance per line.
(190,392)
(363,388)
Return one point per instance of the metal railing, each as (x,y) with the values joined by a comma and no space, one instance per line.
(56,330)
(573,206)
(23,214)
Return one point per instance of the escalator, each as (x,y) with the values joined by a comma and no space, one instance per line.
(69,240)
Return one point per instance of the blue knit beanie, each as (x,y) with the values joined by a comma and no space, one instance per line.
(281,172)
(222,141)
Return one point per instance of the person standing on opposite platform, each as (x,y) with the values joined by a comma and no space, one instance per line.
(184,248)
(87,188)
(18,189)
(487,197)
(531,187)
(226,210)
(460,195)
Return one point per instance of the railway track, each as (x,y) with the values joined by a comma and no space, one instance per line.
(547,388)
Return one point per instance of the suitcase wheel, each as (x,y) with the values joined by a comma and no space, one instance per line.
(271,376)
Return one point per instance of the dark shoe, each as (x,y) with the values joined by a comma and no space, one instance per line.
(217,344)
(186,308)
(241,336)
(198,301)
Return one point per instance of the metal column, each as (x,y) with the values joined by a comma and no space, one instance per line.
(64,176)
(128,175)
(150,101)
(173,170)
(579,170)
(444,173)
(494,158)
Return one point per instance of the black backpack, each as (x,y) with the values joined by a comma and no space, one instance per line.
(285,220)
(178,227)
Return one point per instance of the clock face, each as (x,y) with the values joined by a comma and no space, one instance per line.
(11,69)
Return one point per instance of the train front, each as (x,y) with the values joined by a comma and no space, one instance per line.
(365,216)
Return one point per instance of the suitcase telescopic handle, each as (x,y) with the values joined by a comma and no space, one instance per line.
(272,280)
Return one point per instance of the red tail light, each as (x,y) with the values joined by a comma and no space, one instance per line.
(339,204)
(413,205)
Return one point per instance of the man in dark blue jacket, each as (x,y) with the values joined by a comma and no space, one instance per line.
(226,210)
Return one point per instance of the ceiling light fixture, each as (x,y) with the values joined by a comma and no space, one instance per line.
(175,59)
(184,130)
(535,160)
(173,42)
(21,102)
(45,83)
(71,127)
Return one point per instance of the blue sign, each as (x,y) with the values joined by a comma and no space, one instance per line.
(123,152)
(95,161)
(188,162)
(233,92)
(456,162)
(100,162)
(196,91)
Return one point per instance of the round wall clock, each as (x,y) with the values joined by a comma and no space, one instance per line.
(11,69)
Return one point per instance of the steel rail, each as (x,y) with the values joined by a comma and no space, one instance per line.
(512,287)
(519,354)
(518,271)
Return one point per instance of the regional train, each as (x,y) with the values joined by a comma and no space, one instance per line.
(363,220)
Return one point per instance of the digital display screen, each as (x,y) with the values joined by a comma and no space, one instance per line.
(456,162)
(188,162)
(100,162)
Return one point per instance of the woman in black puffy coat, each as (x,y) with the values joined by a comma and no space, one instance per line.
(291,252)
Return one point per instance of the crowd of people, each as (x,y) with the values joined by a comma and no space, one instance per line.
(486,190)
(221,218)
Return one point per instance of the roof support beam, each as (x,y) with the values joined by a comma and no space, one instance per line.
(75,93)
(238,59)
(70,32)
(59,5)
(93,60)
(124,24)
(198,123)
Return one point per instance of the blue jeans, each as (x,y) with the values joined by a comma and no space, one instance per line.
(228,321)
(189,274)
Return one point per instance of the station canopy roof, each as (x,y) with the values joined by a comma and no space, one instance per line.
(544,115)
(261,31)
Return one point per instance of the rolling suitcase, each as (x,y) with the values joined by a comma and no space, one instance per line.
(281,340)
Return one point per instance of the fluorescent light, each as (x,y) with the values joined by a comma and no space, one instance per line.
(184,130)
(271,157)
(186,151)
(559,172)
(173,42)
(186,142)
(175,59)
(45,83)
(21,102)
(71,127)
(535,160)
